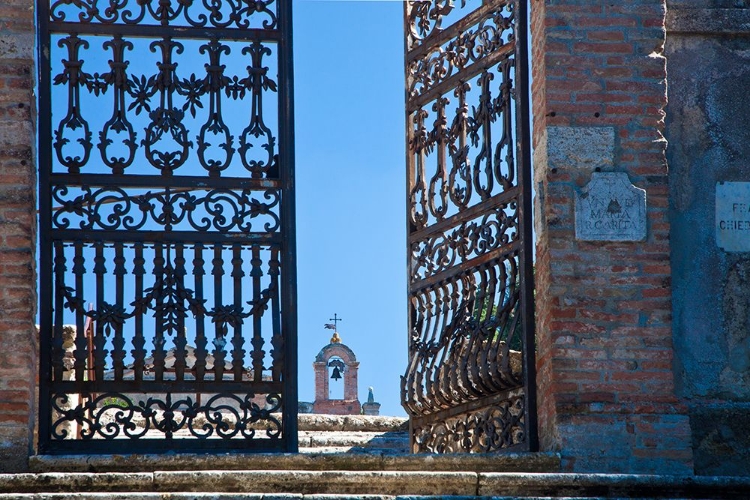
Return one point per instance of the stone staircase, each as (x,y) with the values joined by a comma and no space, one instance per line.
(341,458)
(353,434)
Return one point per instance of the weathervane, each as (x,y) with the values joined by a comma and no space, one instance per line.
(334,326)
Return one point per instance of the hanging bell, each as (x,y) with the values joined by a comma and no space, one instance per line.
(336,375)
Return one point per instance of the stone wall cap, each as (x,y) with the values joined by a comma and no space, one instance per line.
(506,462)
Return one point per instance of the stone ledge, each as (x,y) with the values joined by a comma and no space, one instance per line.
(398,441)
(708,21)
(53,482)
(507,462)
(613,485)
(205,496)
(347,484)
(220,496)
(381,482)
(275,481)
(351,423)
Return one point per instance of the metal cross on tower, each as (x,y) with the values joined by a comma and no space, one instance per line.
(334,326)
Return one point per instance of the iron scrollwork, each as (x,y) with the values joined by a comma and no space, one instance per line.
(213,84)
(166,99)
(118,124)
(242,14)
(459,164)
(489,39)
(469,255)
(164,234)
(425,17)
(117,415)
(113,208)
(496,229)
(489,430)
(74,78)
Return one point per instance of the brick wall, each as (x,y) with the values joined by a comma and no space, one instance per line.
(606,386)
(17,228)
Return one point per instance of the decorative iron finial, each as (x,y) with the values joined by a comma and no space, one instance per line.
(336,339)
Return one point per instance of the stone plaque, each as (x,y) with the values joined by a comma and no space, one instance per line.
(610,208)
(733,216)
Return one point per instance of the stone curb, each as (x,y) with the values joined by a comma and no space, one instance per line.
(309,460)
(612,485)
(351,423)
(339,484)
(53,482)
(205,496)
(306,482)
(381,440)
(222,496)
(239,496)
(302,482)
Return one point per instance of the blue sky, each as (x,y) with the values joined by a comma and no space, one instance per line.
(351,223)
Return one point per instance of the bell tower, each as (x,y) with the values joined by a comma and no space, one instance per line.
(336,364)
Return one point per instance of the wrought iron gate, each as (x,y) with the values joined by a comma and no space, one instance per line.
(167,249)
(469,385)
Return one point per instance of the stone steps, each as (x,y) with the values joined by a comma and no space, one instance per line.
(351,423)
(353,434)
(337,442)
(341,458)
(318,460)
(284,484)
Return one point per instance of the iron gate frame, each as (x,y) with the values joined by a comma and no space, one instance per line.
(286,240)
(432,52)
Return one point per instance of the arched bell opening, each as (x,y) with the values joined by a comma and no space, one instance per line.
(336,371)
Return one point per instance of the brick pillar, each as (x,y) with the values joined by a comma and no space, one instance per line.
(351,380)
(321,380)
(604,337)
(18,355)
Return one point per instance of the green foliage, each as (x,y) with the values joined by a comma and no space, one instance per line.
(511,329)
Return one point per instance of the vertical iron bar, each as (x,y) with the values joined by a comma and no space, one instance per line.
(82,349)
(219,338)
(139,342)
(118,343)
(180,343)
(525,222)
(238,353)
(99,339)
(289,242)
(58,352)
(277,339)
(257,354)
(200,332)
(407,384)
(160,271)
(44,199)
